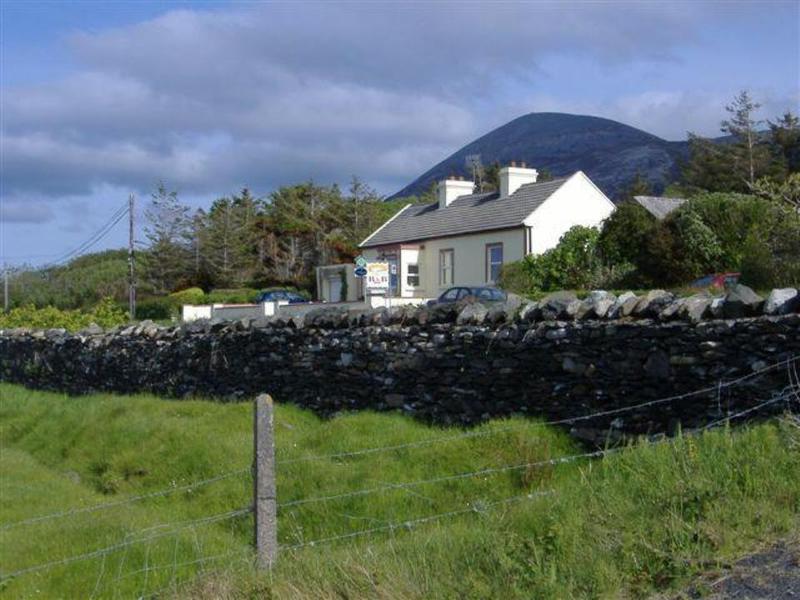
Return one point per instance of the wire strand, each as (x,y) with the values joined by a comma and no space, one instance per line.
(410,523)
(108,549)
(96,507)
(565,421)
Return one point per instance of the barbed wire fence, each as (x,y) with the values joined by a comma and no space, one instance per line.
(154,553)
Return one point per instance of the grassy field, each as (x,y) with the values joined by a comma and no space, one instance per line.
(638,520)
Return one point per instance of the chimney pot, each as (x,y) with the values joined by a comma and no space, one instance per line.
(522,164)
(513,163)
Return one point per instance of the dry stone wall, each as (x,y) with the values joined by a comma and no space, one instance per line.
(451,365)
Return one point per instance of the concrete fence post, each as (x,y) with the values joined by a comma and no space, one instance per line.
(264,501)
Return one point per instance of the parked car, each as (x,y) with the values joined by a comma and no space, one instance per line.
(280,296)
(481,294)
(718,280)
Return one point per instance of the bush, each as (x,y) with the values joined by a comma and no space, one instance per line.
(106,314)
(156,309)
(516,278)
(192,295)
(570,265)
(231,296)
(625,233)
(773,260)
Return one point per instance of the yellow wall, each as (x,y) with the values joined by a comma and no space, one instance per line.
(469,252)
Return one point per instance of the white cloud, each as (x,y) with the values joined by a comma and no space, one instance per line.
(271,94)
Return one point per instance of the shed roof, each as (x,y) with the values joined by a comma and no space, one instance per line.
(466,214)
(659,206)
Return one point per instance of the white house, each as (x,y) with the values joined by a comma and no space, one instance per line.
(465,238)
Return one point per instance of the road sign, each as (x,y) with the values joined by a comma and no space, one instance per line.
(361,261)
(378,276)
(360,271)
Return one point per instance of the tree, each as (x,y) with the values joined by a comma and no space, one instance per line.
(710,167)
(638,186)
(625,233)
(230,239)
(733,164)
(742,126)
(786,192)
(169,231)
(491,177)
(785,136)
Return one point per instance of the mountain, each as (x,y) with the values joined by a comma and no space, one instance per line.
(609,152)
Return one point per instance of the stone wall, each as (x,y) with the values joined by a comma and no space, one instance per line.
(434,364)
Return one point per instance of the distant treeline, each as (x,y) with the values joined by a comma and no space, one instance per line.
(241,241)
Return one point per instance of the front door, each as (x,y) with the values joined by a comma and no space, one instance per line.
(394,278)
(335,289)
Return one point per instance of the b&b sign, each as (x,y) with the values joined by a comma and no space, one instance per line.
(378,276)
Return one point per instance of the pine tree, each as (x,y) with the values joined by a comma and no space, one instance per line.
(169,231)
(742,126)
(785,136)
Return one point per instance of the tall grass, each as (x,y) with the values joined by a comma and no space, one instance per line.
(637,520)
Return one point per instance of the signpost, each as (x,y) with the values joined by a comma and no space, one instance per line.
(360,271)
(361,261)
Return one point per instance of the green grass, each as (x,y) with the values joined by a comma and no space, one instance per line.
(645,518)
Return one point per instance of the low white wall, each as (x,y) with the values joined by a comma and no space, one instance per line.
(192,312)
(378,301)
(232,312)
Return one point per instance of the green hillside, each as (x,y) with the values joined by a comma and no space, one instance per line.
(647,517)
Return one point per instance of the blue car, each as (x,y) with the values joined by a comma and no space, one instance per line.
(481,294)
(280,296)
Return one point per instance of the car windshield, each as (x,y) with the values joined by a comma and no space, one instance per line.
(450,295)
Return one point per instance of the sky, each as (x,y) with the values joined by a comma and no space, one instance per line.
(99,100)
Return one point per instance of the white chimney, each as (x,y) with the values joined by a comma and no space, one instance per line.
(451,188)
(513,176)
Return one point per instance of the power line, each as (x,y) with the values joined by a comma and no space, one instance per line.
(97,236)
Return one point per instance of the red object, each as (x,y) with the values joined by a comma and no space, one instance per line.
(720,280)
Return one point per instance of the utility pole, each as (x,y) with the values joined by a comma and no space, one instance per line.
(131,261)
(5,288)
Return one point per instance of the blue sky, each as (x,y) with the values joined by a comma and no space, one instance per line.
(101,99)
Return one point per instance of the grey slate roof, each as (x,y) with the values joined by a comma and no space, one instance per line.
(466,214)
(658,206)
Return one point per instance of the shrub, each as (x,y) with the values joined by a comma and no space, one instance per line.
(106,314)
(625,233)
(774,259)
(231,296)
(156,309)
(192,295)
(516,278)
(570,265)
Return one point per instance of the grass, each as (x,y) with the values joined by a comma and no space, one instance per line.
(646,518)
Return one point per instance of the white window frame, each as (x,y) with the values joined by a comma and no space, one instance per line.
(447,271)
(490,264)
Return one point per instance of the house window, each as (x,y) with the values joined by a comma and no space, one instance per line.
(412,275)
(494,262)
(446,267)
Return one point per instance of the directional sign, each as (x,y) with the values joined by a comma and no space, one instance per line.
(361,261)
(360,271)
